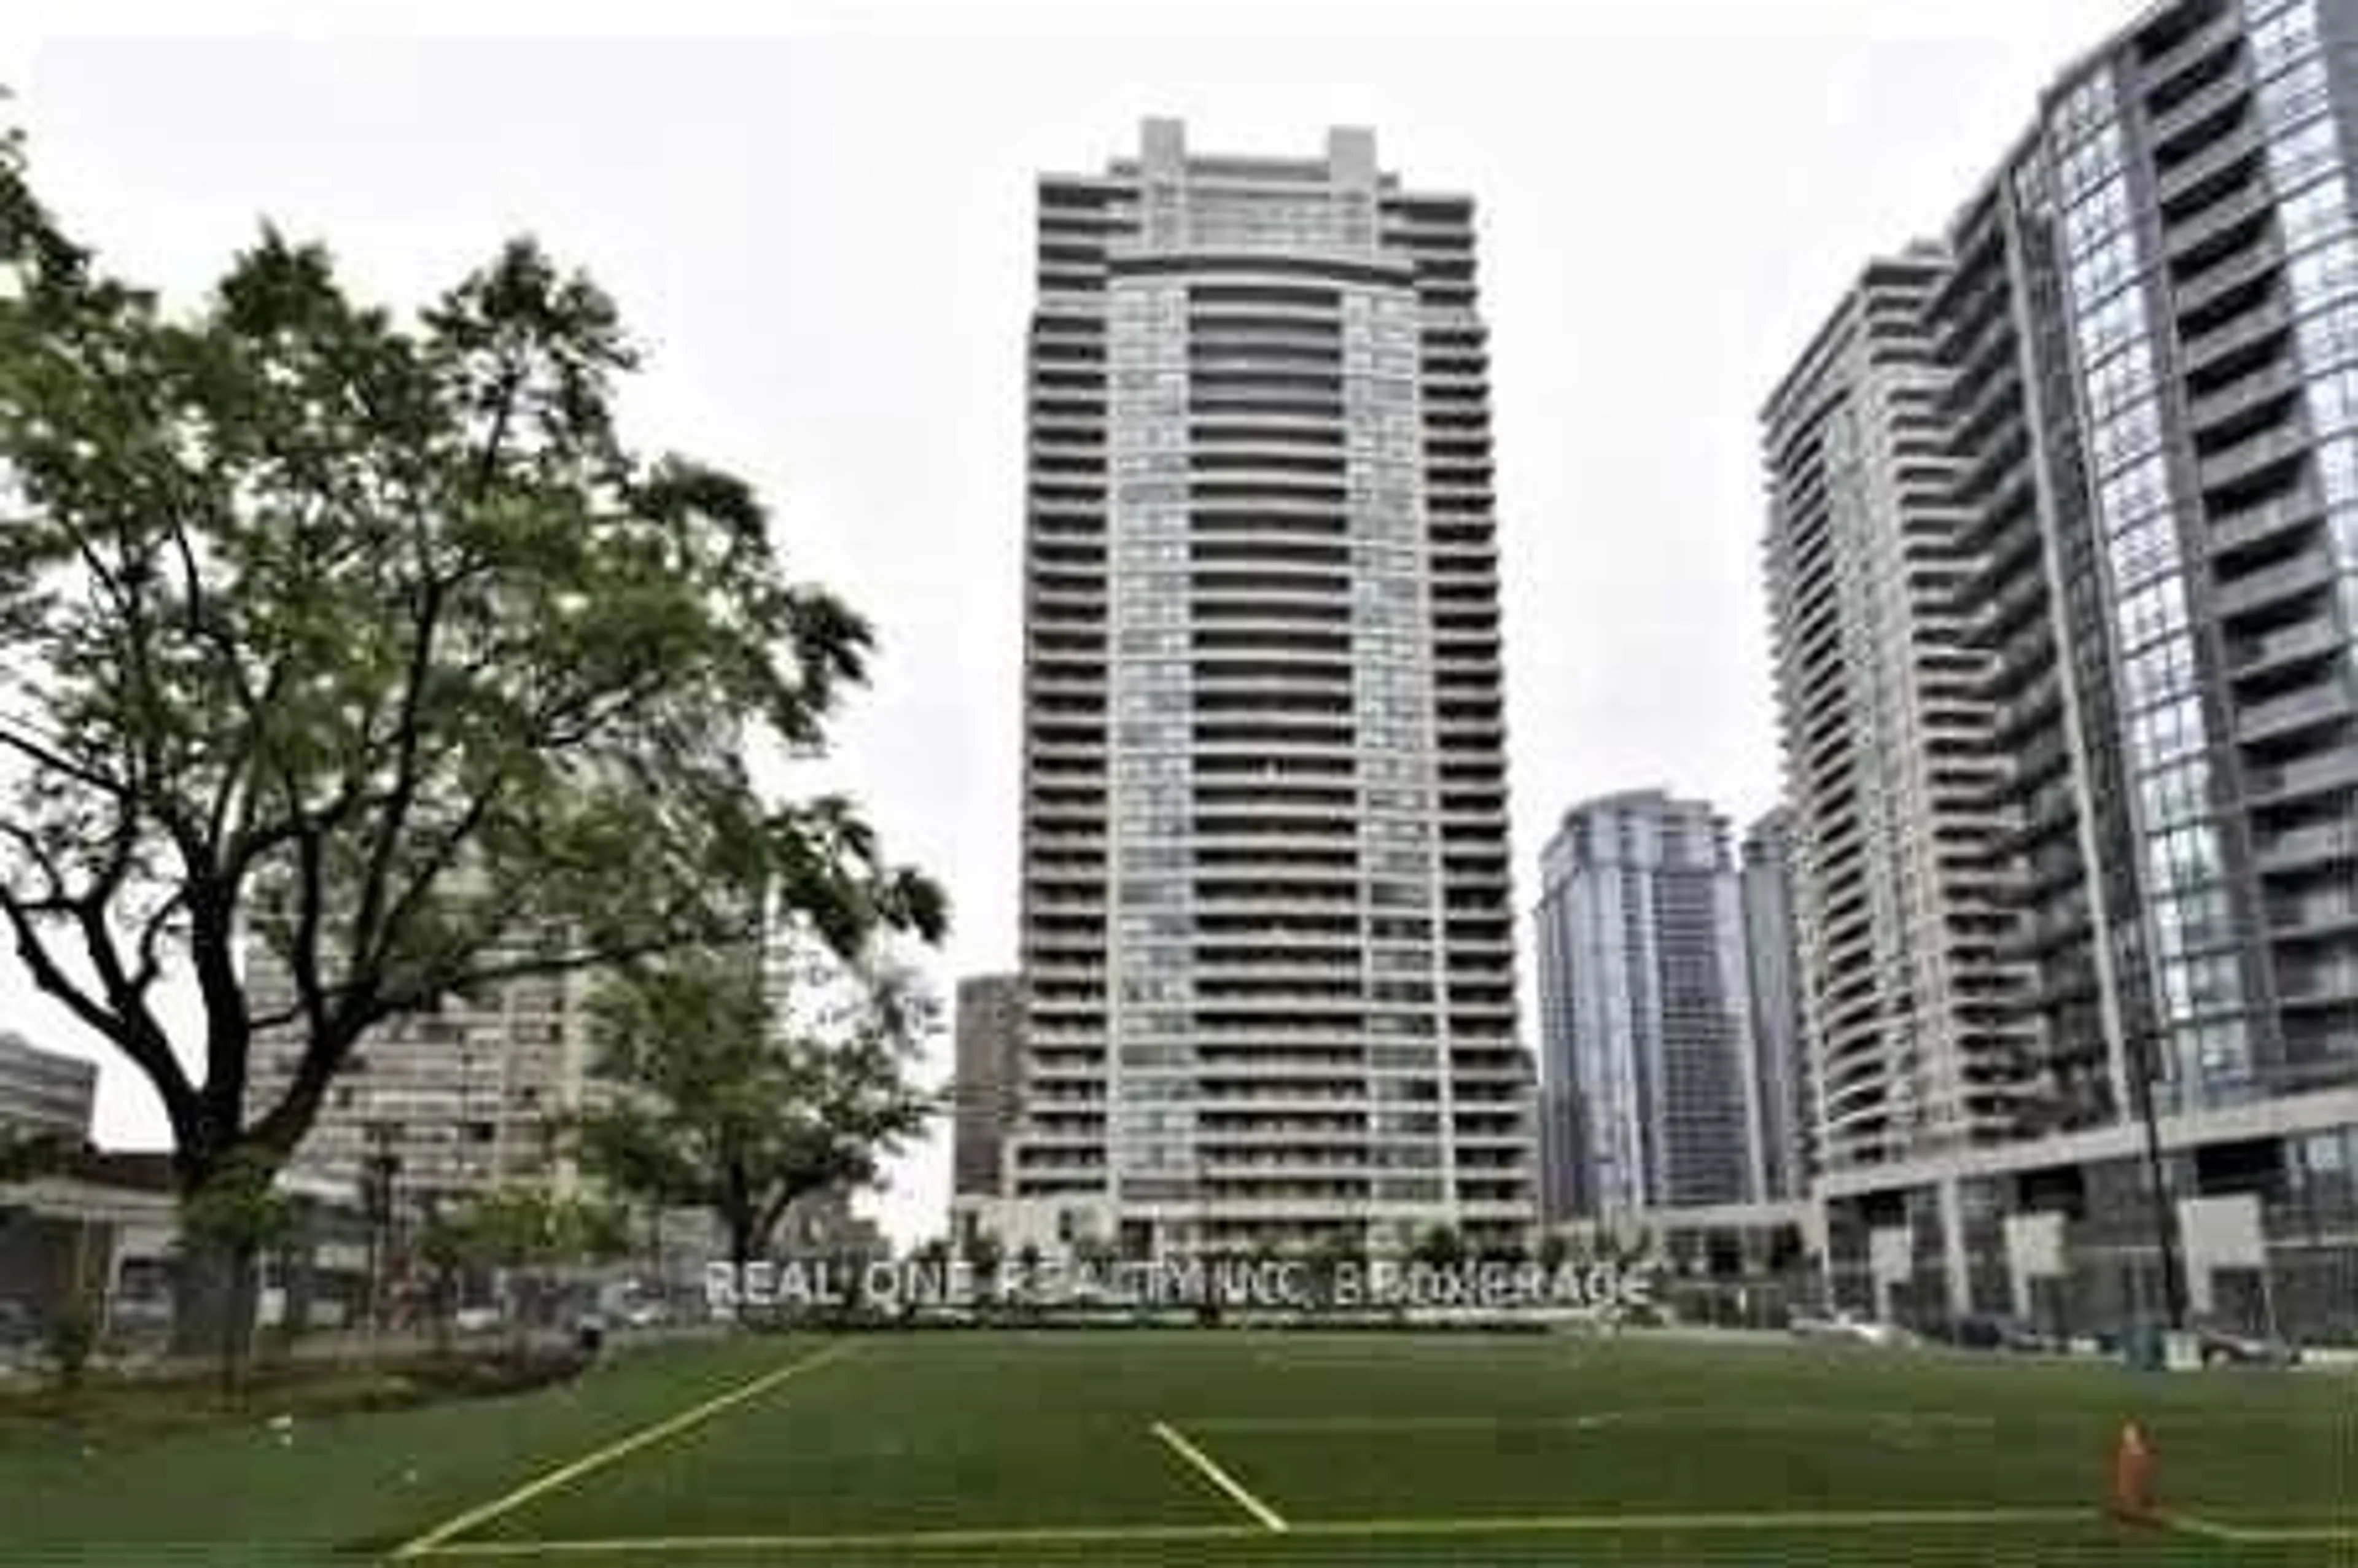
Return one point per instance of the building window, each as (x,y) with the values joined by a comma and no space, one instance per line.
(2095,159)
(2284,40)
(2102,214)
(2116,380)
(2328,272)
(2164,734)
(2132,431)
(2152,612)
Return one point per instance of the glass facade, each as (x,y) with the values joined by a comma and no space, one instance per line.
(2195,982)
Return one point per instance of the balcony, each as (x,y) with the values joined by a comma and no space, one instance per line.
(2312,708)
(2305,848)
(2310,642)
(2234,533)
(2238,334)
(2219,32)
(2319,917)
(2213,98)
(2014,718)
(2319,985)
(2256,453)
(2309,573)
(2276,381)
(2218,160)
(2310,777)
(2229,220)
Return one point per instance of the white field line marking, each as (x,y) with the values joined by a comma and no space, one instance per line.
(1790,1416)
(650,1548)
(566,1475)
(1269,1516)
(2262,1534)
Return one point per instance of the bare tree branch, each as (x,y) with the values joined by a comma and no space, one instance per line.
(47,756)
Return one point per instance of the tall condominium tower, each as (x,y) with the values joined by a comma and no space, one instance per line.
(1886,724)
(1267,930)
(1781,1096)
(1646,1017)
(2154,314)
(990,1042)
(2146,328)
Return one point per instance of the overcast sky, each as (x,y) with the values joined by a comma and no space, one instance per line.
(817,221)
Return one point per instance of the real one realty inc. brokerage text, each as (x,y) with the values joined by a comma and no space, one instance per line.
(1188,1282)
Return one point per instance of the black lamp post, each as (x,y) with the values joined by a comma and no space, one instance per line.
(382,1166)
(2164,1214)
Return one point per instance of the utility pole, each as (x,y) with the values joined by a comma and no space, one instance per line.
(2165,1210)
(382,1166)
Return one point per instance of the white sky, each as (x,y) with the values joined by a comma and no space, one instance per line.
(817,220)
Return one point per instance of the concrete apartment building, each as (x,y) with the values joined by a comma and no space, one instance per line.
(46,1094)
(2144,332)
(1267,917)
(463,1099)
(1646,1017)
(989,1044)
(1884,719)
(1782,1098)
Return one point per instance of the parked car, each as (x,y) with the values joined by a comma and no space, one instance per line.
(1850,1329)
(1989,1330)
(2221,1348)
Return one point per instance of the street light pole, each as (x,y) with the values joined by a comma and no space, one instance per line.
(384,1164)
(2165,1214)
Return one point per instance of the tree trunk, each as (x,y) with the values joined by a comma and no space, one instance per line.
(214,1306)
(744,1228)
(524,1301)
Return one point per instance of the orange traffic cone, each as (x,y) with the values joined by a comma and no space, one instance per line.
(2133,1475)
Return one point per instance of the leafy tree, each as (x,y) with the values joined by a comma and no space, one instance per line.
(71,1339)
(526,1233)
(723,1105)
(1552,1252)
(238,1213)
(1439,1248)
(1335,1254)
(26,1155)
(372,640)
(985,1254)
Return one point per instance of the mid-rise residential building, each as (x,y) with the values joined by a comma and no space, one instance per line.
(984,1092)
(2138,457)
(447,1103)
(1647,1032)
(1268,928)
(46,1094)
(1782,1099)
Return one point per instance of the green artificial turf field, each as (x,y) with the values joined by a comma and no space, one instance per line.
(1225,1448)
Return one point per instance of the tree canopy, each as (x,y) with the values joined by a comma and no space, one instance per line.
(371,640)
(727,1100)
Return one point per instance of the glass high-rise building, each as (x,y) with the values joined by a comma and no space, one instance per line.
(1782,1100)
(2135,483)
(989,1041)
(1268,937)
(1646,1012)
